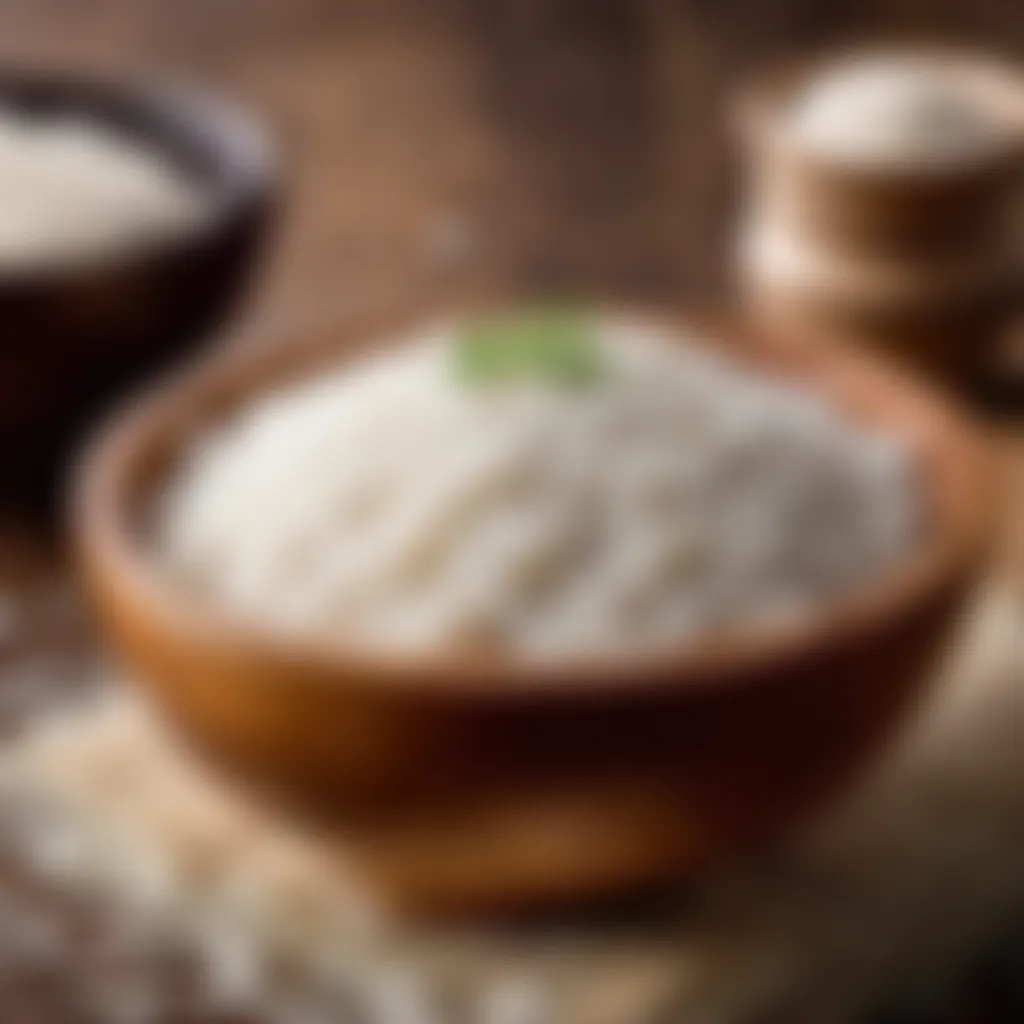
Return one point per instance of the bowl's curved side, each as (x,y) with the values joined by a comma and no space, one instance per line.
(731,774)
(589,794)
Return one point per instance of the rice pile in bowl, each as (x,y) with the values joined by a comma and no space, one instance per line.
(546,485)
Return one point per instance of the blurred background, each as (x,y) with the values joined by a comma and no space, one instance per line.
(437,147)
(582,140)
(578,143)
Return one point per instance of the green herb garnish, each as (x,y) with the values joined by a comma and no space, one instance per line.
(548,344)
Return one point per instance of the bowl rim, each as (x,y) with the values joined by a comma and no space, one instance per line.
(106,499)
(248,163)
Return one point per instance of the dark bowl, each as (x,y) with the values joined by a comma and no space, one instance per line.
(74,336)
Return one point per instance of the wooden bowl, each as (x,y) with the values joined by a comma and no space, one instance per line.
(919,260)
(944,318)
(480,781)
(77,335)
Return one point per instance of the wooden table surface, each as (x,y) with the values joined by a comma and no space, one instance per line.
(573,144)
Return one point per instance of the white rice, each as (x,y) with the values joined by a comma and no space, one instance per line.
(73,190)
(389,504)
(890,110)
